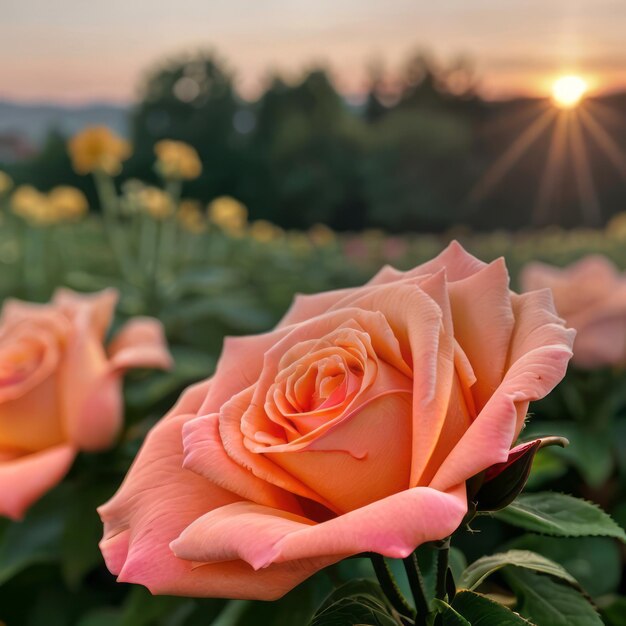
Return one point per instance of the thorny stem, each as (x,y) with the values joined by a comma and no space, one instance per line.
(443,551)
(390,587)
(416,583)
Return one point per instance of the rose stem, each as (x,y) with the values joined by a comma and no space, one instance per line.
(390,587)
(416,582)
(443,551)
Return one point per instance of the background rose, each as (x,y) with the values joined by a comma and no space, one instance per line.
(591,295)
(351,427)
(60,388)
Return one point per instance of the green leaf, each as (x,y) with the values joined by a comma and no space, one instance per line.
(479,610)
(547,602)
(478,571)
(594,562)
(37,538)
(560,515)
(353,611)
(449,617)
(356,602)
(615,613)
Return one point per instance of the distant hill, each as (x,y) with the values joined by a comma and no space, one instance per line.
(33,121)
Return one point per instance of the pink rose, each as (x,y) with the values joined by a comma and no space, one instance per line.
(60,388)
(351,427)
(591,296)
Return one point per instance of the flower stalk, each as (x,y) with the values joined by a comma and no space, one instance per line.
(390,587)
(416,583)
(443,553)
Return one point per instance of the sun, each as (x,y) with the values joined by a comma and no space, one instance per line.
(568,91)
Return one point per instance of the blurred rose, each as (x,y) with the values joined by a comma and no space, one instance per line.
(60,387)
(98,149)
(352,427)
(591,296)
(177,160)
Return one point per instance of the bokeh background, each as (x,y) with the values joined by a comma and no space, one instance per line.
(334,137)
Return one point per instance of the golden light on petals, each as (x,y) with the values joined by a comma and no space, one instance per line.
(568,91)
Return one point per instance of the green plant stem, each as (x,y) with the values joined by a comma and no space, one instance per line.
(168,252)
(109,204)
(34,261)
(416,583)
(390,587)
(443,552)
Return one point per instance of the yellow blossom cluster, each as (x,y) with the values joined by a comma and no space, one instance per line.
(264,231)
(155,202)
(190,217)
(6,183)
(228,214)
(98,149)
(177,160)
(61,204)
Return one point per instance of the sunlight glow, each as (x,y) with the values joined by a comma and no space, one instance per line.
(568,91)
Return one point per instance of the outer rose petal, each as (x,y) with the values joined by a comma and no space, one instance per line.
(32,422)
(157,501)
(91,401)
(96,308)
(393,527)
(25,479)
(539,353)
(140,343)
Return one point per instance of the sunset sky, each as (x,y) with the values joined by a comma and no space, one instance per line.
(76,51)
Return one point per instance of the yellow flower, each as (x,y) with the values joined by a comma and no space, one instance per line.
(264,231)
(617,226)
(229,214)
(190,216)
(69,203)
(177,160)
(321,235)
(155,202)
(98,149)
(33,206)
(6,183)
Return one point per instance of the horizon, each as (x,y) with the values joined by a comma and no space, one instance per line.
(103,57)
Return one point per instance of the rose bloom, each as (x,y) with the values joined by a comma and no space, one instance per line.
(60,387)
(352,427)
(591,295)
(97,148)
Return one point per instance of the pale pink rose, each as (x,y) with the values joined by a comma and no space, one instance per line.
(591,296)
(351,427)
(60,386)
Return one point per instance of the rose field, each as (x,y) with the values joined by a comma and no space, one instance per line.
(208,419)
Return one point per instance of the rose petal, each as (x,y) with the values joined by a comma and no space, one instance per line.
(33,421)
(140,343)
(24,479)
(483,322)
(157,501)
(393,527)
(96,308)
(205,455)
(539,353)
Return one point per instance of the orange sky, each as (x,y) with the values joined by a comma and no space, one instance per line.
(77,51)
